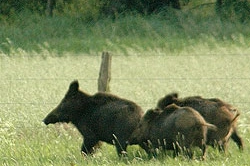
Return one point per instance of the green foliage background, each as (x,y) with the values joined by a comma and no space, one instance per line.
(80,27)
(170,31)
(92,9)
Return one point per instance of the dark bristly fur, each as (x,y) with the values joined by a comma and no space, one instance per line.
(173,128)
(100,117)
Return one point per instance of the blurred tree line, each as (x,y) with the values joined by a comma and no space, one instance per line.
(90,9)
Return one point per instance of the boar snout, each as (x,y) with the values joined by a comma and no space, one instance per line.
(50,119)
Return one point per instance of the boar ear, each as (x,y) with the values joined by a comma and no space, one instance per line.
(172,96)
(175,95)
(74,86)
(152,113)
(167,100)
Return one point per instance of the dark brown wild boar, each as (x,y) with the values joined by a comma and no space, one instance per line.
(174,128)
(100,117)
(215,111)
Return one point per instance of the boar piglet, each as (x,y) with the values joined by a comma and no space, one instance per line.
(214,111)
(99,117)
(174,128)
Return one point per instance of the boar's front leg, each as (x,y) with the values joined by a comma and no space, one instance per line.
(88,145)
(90,141)
(149,148)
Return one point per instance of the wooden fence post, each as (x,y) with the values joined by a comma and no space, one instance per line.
(105,73)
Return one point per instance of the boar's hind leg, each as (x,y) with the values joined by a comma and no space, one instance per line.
(177,149)
(120,145)
(121,149)
(237,139)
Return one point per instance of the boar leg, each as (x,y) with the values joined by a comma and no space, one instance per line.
(88,145)
(175,153)
(121,149)
(221,145)
(150,149)
(90,141)
(177,149)
(120,145)
(237,139)
(188,153)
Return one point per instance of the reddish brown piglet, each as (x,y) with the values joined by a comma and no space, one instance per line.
(214,111)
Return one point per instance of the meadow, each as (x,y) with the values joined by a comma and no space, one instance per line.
(31,87)
(192,52)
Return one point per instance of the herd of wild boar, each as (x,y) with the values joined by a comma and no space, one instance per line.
(176,124)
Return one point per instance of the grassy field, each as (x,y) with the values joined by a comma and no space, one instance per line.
(31,86)
(191,51)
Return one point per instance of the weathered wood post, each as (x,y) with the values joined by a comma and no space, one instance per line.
(105,73)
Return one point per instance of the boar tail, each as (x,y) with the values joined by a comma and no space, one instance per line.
(211,126)
(235,118)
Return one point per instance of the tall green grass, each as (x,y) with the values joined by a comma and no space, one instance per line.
(30,87)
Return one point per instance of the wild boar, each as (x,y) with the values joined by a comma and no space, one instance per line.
(214,111)
(174,128)
(99,117)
